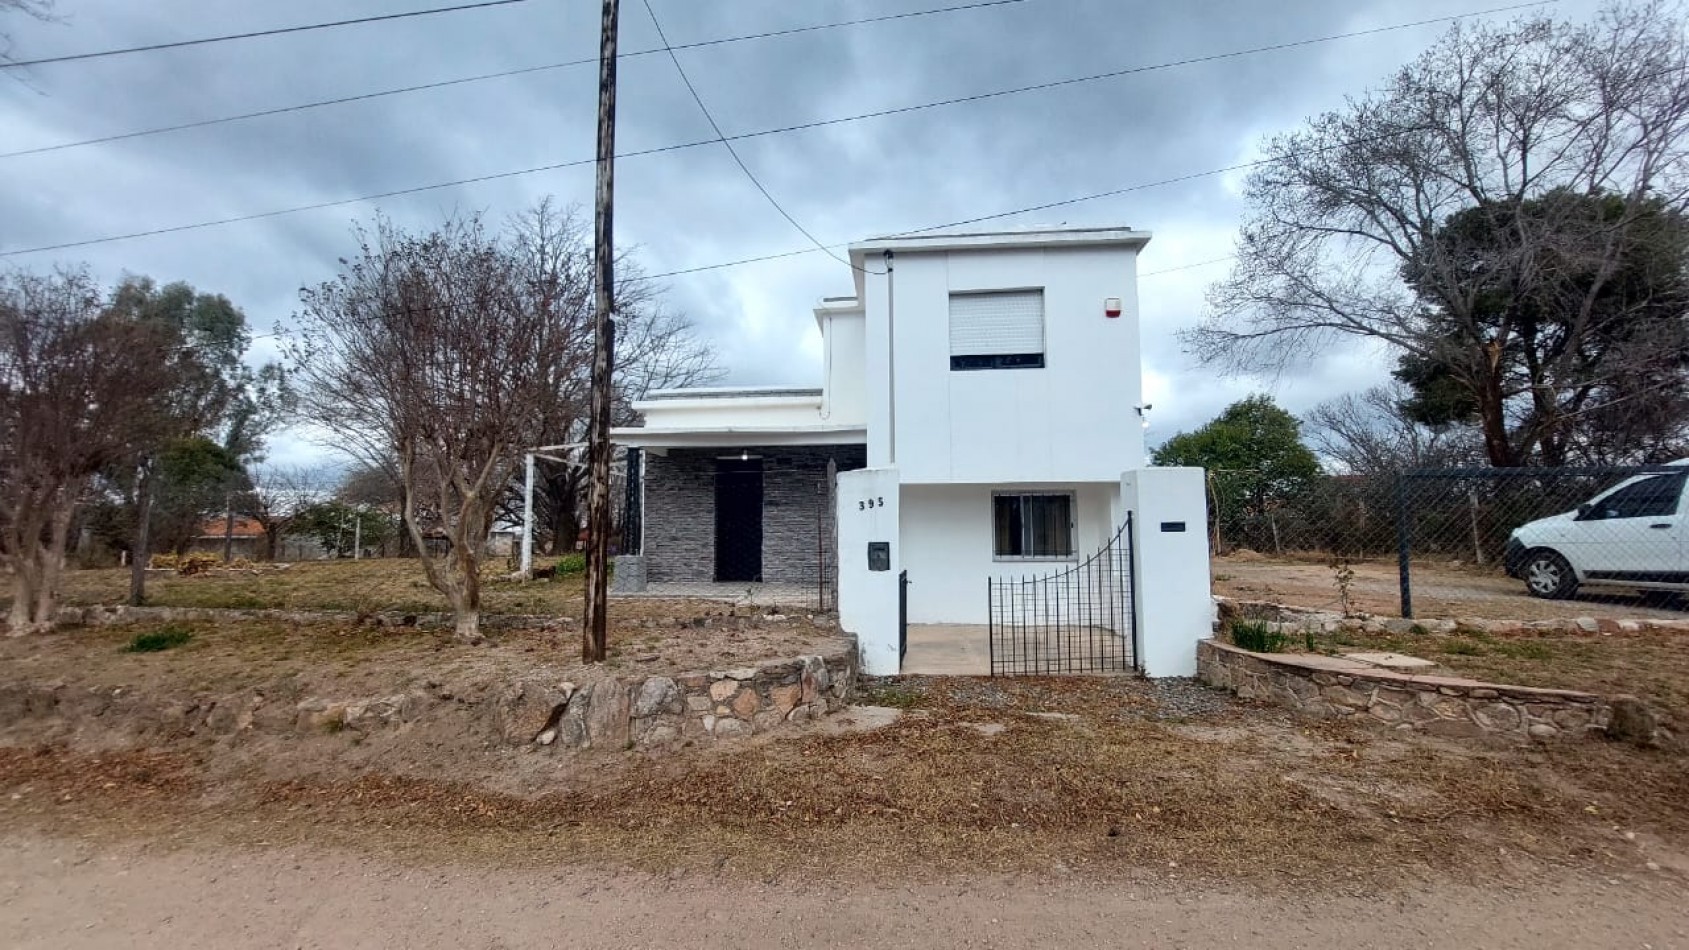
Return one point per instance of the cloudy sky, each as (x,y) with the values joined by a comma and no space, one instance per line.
(691,207)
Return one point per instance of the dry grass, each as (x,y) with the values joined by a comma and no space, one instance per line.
(1225,791)
(646,636)
(364,586)
(1653,665)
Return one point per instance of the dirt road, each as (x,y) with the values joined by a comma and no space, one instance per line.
(66,895)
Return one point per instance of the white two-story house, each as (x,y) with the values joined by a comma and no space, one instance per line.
(979,419)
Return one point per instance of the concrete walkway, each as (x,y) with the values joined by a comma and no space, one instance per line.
(948,650)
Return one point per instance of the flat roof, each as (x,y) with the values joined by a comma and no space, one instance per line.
(734,392)
(738,436)
(1004,239)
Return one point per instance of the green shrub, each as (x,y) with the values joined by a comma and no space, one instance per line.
(1257,637)
(571,564)
(154,641)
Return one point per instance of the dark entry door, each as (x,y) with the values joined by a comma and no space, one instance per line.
(738,520)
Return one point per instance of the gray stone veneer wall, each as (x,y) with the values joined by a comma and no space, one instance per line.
(679,511)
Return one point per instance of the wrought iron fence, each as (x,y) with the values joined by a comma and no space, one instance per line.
(1076,620)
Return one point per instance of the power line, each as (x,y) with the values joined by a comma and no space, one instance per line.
(202,41)
(344,100)
(1094,196)
(1191,266)
(803,126)
(716,127)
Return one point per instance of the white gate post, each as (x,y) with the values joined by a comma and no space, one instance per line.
(1172,596)
(528,521)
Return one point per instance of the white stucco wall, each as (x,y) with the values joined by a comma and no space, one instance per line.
(869,511)
(947,545)
(1174,597)
(1073,420)
(724,409)
(845,366)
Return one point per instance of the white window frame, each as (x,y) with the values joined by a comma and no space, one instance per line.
(1072,527)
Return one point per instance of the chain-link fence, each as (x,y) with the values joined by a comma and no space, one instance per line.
(1534,543)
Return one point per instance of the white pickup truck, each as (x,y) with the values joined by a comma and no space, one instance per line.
(1634,536)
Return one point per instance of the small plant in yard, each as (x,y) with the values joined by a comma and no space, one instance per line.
(1308,642)
(571,564)
(1257,637)
(155,641)
(1343,575)
(1419,630)
(891,694)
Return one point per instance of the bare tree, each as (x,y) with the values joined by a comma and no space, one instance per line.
(79,395)
(279,496)
(450,353)
(655,349)
(38,9)
(1370,433)
(1499,215)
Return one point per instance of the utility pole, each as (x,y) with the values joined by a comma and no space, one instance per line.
(595,632)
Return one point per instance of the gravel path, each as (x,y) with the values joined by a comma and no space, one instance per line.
(67,895)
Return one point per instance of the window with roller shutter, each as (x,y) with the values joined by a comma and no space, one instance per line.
(999,329)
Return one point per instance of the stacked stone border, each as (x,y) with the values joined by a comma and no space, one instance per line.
(1291,619)
(1434,705)
(612,713)
(663,710)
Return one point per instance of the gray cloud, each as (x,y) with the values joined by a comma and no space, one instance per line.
(693,207)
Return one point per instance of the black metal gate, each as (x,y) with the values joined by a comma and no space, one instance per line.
(902,615)
(1076,620)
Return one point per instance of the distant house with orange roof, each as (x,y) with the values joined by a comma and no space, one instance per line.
(247,537)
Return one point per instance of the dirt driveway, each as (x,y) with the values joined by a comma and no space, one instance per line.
(1439,591)
(64,895)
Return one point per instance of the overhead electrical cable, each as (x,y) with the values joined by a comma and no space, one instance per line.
(803,126)
(207,40)
(442,84)
(716,127)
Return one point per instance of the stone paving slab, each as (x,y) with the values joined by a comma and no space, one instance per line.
(1392,661)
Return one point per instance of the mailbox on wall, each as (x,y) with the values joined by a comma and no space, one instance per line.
(879,555)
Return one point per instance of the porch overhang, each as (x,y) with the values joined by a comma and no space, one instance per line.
(733,437)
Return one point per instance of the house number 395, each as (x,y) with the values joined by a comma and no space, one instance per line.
(871,503)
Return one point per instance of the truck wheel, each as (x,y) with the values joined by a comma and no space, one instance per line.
(1547,575)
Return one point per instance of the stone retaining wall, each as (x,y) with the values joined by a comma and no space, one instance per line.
(1435,705)
(612,713)
(1286,618)
(658,710)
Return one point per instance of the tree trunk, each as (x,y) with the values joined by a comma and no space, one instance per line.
(21,620)
(37,567)
(143,539)
(1492,418)
(465,559)
(272,537)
